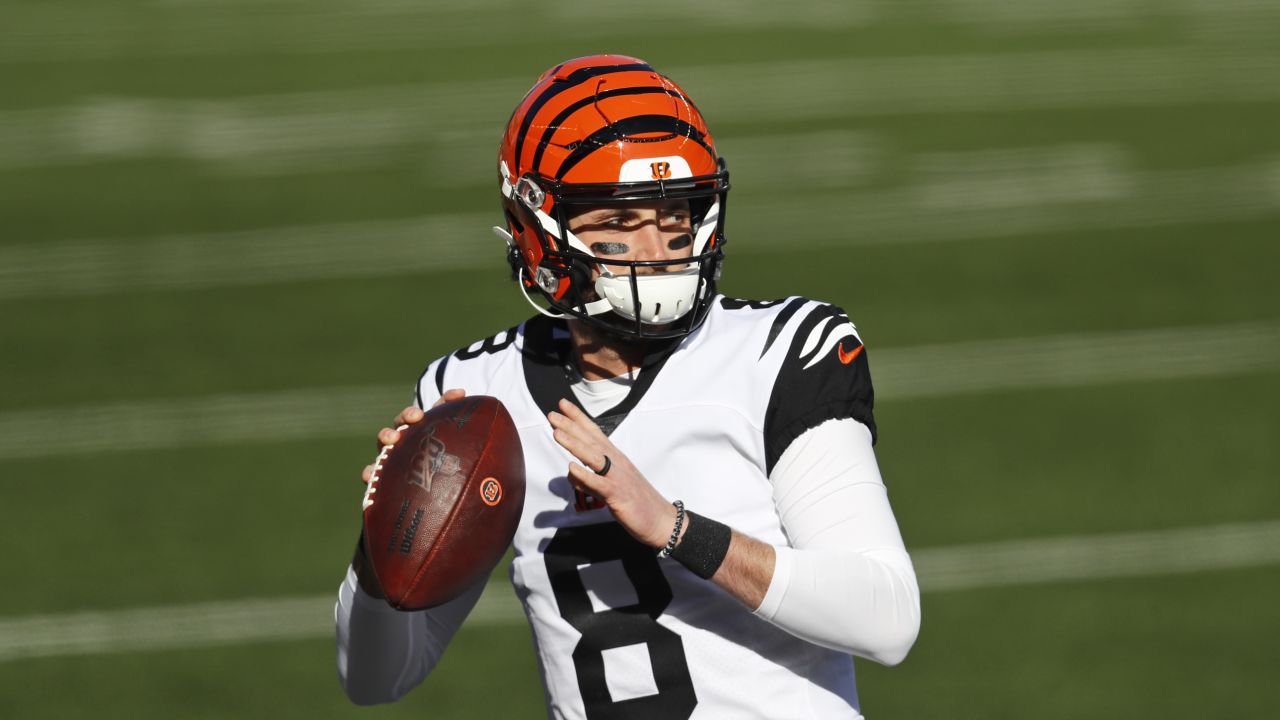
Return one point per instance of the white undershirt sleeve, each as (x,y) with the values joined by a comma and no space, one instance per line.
(846,581)
(384,653)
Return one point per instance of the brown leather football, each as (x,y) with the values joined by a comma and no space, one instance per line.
(444,502)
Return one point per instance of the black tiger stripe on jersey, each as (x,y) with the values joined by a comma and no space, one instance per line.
(577,77)
(627,127)
(550,130)
(440,374)
(439,380)
(781,321)
(822,383)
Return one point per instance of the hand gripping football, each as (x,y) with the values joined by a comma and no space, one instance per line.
(443,502)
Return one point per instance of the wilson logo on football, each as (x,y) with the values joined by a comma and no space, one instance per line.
(661,170)
(491,491)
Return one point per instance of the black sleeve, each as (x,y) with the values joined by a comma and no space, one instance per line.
(825,376)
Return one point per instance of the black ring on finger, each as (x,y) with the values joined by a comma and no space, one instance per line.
(607,464)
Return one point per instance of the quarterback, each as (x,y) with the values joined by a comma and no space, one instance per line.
(705,532)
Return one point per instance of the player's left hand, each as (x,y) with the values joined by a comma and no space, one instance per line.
(640,508)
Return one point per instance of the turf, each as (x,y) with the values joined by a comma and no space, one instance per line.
(1020,218)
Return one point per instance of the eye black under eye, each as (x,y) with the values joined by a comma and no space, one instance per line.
(609,248)
(680,243)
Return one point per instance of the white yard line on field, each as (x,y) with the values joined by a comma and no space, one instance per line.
(1089,557)
(219,28)
(251,257)
(207,624)
(962,567)
(302,132)
(1069,191)
(197,421)
(910,372)
(1076,359)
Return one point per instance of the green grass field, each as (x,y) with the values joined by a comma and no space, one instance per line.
(212,203)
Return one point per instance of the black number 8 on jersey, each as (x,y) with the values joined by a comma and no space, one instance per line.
(621,626)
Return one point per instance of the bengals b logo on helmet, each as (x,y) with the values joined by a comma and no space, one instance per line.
(661,170)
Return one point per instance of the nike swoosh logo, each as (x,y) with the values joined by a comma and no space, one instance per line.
(825,337)
(847,357)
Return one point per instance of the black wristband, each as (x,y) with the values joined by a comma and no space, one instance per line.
(704,546)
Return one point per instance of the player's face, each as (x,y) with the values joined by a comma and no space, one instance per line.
(658,230)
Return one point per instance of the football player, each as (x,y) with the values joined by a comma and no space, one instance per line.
(705,533)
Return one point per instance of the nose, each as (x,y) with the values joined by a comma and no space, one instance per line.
(649,242)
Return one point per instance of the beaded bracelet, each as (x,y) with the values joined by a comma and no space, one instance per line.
(675,533)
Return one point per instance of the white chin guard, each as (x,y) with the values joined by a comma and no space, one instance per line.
(664,297)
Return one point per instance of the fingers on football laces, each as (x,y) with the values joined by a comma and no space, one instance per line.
(414,414)
(367,474)
(409,415)
(387,436)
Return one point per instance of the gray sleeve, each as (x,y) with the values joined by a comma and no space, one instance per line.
(384,653)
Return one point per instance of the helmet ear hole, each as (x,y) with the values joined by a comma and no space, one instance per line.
(515,261)
(514,258)
(513,222)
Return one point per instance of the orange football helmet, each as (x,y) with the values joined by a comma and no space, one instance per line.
(608,130)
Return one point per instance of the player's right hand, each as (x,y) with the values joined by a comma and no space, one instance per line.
(407,416)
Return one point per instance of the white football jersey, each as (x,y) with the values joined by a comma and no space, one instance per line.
(620,633)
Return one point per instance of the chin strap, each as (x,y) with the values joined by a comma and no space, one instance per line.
(504,234)
(591,308)
(524,292)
